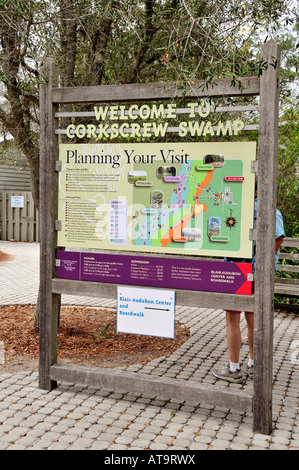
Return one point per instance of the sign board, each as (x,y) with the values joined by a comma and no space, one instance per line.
(204,207)
(170,272)
(145,311)
(17,202)
(178,198)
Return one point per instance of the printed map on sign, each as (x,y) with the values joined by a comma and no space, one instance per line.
(195,205)
(179,198)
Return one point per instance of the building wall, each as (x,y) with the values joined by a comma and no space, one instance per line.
(17,223)
(14,178)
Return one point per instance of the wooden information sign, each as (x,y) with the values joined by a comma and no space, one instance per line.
(59,195)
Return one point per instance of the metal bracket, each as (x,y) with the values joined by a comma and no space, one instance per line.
(249,276)
(254,166)
(58,263)
(58,165)
(252,234)
(58,225)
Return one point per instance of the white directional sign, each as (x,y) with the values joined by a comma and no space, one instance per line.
(145,311)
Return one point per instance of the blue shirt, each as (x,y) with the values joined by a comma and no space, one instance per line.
(279,232)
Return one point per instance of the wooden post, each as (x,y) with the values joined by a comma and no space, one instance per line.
(48,214)
(265,247)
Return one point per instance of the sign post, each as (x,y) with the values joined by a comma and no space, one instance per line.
(265,246)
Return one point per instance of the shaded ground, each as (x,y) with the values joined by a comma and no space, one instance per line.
(86,335)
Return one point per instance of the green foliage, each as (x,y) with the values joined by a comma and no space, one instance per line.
(288,171)
(103,334)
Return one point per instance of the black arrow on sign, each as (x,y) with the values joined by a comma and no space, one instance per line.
(151,308)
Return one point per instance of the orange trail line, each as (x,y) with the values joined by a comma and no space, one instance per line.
(205,182)
(167,238)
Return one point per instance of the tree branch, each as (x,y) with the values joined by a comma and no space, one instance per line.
(149,31)
(69,24)
(99,42)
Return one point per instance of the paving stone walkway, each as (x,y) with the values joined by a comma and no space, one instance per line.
(76,417)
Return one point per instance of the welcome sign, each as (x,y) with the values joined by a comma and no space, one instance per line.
(153,121)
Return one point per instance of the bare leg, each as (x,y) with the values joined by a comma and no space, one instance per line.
(250,324)
(233,335)
(231,372)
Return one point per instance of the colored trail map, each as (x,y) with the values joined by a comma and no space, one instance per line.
(192,207)
(165,198)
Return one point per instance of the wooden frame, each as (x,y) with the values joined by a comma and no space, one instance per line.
(267,87)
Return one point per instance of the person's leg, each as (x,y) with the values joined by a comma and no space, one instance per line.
(250,325)
(233,335)
(232,372)
(248,369)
